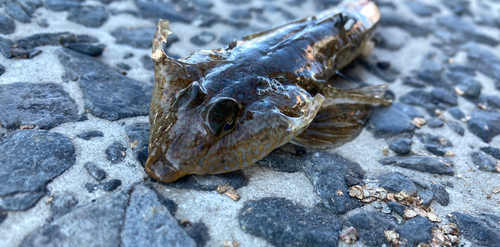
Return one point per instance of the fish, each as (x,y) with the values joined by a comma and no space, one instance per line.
(220,110)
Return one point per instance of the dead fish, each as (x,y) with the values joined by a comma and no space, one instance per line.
(221,110)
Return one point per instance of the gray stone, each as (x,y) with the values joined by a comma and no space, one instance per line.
(426,197)
(90,134)
(435,144)
(422,10)
(144,215)
(456,113)
(475,230)
(60,5)
(96,172)
(416,231)
(138,38)
(402,146)
(484,124)
(42,104)
(444,96)
(392,120)
(16,12)
(371,226)
(21,201)
(440,194)
(95,224)
(156,10)
(434,122)
(107,93)
(495,152)
(37,157)
(203,38)
(457,128)
(330,173)
(209,182)
(89,16)
(62,204)
(7,25)
(434,165)
(456,24)
(283,223)
(483,162)
(417,97)
(116,153)
(391,19)
(396,182)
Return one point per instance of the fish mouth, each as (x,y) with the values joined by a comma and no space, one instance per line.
(159,168)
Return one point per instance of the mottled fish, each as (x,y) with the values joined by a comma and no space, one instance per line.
(217,111)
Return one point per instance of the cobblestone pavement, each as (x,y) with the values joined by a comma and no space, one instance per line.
(75,85)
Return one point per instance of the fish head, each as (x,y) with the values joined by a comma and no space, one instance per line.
(198,131)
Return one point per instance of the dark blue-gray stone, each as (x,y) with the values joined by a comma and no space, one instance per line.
(21,201)
(390,19)
(138,37)
(107,93)
(484,61)
(199,232)
(392,120)
(90,134)
(440,194)
(60,5)
(330,173)
(30,159)
(86,48)
(62,204)
(444,96)
(417,97)
(42,104)
(123,66)
(475,230)
(203,38)
(396,182)
(89,16)
(2,70)
(111,185)
(434,122)
(416,231)
(397,208)
(116,152)
(495,152)
(42,39)
(483,162)
(456,127)
(7,25)
(283,223)
(456,113)
(422,10)
(456,24)
(434,165)
(426,197)
(163,10)
(371,226)
(484,124)
(16,12)
(402,146)
(146,214)
(96,172)
(435,144)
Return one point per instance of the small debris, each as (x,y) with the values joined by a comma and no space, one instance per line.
(418,122)
(134,144)
(229,191)
(385,151)
(443,141)
(449,153)
(27,127)
(498,166)
(446,235)
(185,223)
(349,235)
(459,175)
(231,243)
(340,193)
(409,214)
(393,238)
(433,217)
(459,91)
(482,106)
(49,200)
(495,190)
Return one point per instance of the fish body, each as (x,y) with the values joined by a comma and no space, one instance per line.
(221,110)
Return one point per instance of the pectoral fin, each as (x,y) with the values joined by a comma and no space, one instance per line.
(334,125)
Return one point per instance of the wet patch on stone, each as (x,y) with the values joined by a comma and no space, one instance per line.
(282,223)
(37,156)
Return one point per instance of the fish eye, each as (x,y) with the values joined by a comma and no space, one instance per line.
(222,116)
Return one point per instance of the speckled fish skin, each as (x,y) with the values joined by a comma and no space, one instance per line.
(221,110)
